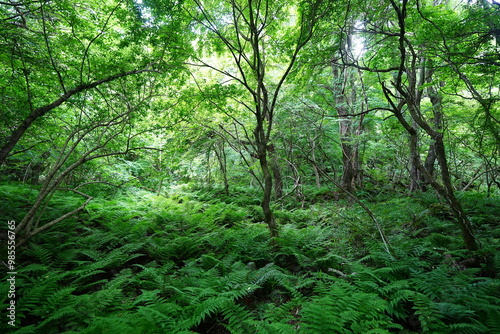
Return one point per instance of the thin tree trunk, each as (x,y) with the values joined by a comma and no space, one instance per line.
(351,177)
(315,168)
(431,158)
(415,177)
(266,200)
(437,109)
(220,153)
(346,98)
(456,207)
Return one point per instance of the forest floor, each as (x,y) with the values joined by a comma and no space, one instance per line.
(197,260)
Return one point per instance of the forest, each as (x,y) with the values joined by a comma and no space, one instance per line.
(250,166)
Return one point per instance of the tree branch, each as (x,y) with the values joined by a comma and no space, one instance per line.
(41,111)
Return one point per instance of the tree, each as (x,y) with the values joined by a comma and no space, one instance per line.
(97,127)
(263,39)
(471,55)
(403,93)
(53,51)
(74,92)
(350,103)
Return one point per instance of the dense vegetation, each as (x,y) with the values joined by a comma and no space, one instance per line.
(253,166)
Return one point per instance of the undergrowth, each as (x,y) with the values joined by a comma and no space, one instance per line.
(202,263)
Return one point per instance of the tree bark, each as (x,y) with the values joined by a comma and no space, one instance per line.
(275,167)
(437,110)
(278,181)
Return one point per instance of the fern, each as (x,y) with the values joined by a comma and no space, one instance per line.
(161,266)
(113,325)
(34,269)
(339,308)
(282,318)
(37,292)
(469,328)
(240,320)
(42,254)
(493,321)
(66,313)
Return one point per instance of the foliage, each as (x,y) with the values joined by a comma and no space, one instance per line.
(149,147)
(172,264)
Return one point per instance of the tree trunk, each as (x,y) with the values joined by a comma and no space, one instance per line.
(437,110)
(350,179)
(345,90)
(268,188)
(449,194)
(278,181)
(415,176)
(220,153)
(431,158)
(351,172)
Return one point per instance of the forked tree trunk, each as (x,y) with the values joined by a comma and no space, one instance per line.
(446,189)
(245,35)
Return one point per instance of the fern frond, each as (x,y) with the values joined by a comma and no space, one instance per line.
(339,308)
(469,328)
(42,254)
(114,325)
(205,309)
(38,291)
(68,313)
(34,268)
(493,321)
(240,320)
